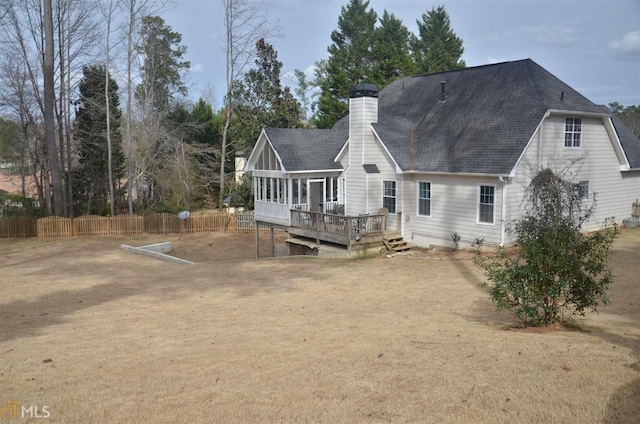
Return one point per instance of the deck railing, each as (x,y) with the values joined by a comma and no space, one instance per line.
(349,229)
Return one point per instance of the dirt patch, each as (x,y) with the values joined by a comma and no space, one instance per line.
(229,246)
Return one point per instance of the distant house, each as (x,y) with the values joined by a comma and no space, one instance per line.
(443,153)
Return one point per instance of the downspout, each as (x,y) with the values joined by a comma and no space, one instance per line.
(402,217)
(503,215)
(364,125)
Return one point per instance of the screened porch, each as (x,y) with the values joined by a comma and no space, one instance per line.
(275,197)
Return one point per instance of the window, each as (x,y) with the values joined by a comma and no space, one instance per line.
(572,130)
(258,187)
(424,198)
(295,191)
(486,203)
(583,187)
(389,195)
(331,184)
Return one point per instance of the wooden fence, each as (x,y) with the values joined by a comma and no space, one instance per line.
(124,225)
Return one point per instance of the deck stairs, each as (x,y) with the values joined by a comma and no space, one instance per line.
(395,243)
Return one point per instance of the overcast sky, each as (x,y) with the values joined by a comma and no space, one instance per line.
(592,45)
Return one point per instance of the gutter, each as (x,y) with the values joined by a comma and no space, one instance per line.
(578,112)
(464,174)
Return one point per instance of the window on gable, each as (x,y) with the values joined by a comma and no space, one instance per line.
(583,187)
(486,204)
(389,195)
(424,198)
(572,132)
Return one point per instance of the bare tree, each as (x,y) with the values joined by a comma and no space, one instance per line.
(49,101)
(107,12)
(5,5)
(136,9)
(23,40)
(244,24)
(78,37)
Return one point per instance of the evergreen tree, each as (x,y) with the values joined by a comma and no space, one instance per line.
(262,101)
(163,64)
(391,50)
(350,62)
(437,48)
(629,115)
(206,131)
(91,179)
(303,91)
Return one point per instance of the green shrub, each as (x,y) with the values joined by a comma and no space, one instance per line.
(557,267)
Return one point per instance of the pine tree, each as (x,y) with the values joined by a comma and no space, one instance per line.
(91,179)
(262,101)
(350,62)
(437,48)
(163,64)
(391,50)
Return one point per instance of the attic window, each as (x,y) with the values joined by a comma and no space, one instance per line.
(572,132)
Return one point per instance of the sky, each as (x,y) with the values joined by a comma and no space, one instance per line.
(592,45)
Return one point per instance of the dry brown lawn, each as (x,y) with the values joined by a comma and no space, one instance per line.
(103,336)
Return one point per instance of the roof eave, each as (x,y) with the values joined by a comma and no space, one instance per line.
(466,174)
(398,169)
(578,112)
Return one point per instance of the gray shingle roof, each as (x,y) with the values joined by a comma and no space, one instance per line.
(630,143)
(486,121)
(484,124)
(307,149)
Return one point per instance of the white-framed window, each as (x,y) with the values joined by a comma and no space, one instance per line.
(486,203)
(424,198)
(331,189)
(389,195)
(583,186)
(572,132)
(257,183)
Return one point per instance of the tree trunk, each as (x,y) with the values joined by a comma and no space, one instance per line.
(49,99)
(130,158)
(108,112)
(223,157)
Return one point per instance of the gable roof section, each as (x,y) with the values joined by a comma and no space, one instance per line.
(484,123)
(307,149)
(630,143)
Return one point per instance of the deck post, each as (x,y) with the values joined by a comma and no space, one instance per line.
(257,225)
(273,245)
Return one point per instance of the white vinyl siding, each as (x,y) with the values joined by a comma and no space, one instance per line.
(486,204)
(364,192)
(454,208)
(597,163)
(424,198)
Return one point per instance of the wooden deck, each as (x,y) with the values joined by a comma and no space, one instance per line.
(354,232)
